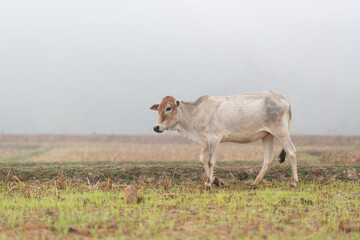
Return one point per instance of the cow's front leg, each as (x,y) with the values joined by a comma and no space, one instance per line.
(213,147)
(204,160)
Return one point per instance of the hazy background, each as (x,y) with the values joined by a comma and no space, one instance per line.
(85,66)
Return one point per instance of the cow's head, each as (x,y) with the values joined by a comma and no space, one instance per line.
(168,112)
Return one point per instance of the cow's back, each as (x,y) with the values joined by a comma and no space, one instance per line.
(242,118)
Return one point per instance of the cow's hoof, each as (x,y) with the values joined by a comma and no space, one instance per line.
(293,184)
(216,182)
(253,187)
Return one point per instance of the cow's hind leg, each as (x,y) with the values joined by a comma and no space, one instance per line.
(290,150)
(213,147)
(268,142)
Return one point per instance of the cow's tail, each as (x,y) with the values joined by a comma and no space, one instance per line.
(282,155)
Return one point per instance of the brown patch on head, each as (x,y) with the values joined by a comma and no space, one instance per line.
(168,101)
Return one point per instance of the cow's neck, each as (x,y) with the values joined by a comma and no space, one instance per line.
(186,125)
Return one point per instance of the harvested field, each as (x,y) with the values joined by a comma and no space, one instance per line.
(38,149)
(299,140)
(57,187)
(341,156)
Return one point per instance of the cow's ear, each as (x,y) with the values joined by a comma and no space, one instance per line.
(155,107)
(177,103)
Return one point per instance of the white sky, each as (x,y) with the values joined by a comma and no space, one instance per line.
(83,66)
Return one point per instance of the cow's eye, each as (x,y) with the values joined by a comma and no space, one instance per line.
(168,109)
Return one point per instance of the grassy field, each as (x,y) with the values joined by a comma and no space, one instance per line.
(56,187)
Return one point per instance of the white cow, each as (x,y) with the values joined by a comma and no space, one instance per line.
(241,118)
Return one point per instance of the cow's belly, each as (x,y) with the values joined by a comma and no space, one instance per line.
(243,137)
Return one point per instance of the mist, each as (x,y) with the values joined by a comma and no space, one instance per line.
(78,67)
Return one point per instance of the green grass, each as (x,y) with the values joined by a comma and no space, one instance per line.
(52,200)
(274,211)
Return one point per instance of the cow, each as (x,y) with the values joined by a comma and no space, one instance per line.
(243,118)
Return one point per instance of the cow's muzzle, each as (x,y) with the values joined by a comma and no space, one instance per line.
(157,129)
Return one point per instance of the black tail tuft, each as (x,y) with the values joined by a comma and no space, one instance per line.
(282,156)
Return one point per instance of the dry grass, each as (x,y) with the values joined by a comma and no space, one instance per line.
(299,140)
(341,156)
(128,152)
(57,149)
(10,151)
(118,149)
(131,152)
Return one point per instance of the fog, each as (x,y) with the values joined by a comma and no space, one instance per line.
(97,66)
